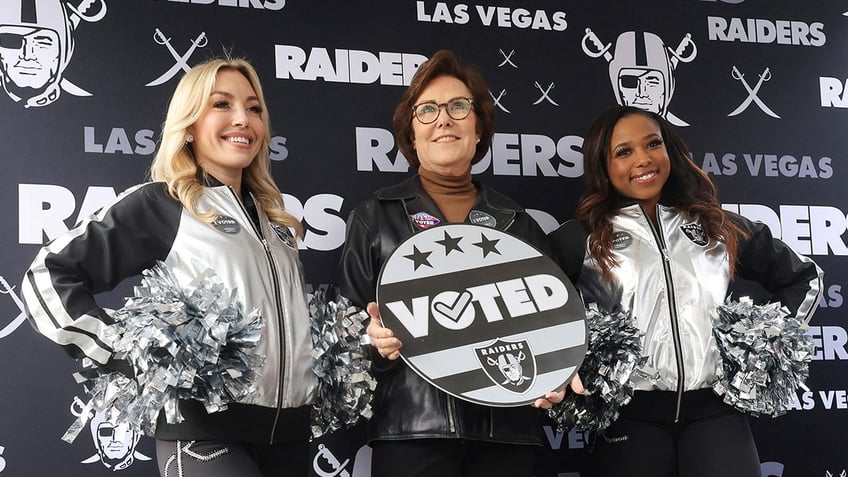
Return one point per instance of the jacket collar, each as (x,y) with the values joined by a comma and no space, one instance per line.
(209,180)
(408,189)
(489,201)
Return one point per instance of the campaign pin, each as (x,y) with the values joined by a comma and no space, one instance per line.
(482,314)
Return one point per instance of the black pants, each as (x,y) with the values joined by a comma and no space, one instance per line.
(451,458)
(226,459)
(711,439)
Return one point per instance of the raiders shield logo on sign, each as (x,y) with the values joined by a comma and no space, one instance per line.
(510,365)
(483,315)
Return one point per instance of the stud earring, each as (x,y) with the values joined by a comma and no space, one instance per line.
(189,138)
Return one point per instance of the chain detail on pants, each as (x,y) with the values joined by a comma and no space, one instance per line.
(177,456)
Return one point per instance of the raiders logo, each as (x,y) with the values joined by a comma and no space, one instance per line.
(483,315)
(284,234)
(510,365)
(695,233)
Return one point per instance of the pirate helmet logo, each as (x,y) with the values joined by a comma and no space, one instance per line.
(641,68)
(695,233)
(36,45)
(114,441)
(641,72)
(509,364)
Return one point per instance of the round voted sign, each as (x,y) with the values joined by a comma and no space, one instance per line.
(483,315)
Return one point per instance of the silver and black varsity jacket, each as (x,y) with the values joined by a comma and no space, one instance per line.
(256,258)
(672,276)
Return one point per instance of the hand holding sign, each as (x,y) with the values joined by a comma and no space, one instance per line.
(383,339)
(481,314)
(556,397)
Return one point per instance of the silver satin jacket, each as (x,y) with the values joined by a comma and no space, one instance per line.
(671,277)
(144,225)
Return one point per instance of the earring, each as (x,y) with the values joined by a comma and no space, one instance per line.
(189,138)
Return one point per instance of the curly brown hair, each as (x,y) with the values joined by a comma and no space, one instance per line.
(688,189)
(445,63)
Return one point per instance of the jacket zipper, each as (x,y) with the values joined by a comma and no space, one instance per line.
(276,283)
(672,307)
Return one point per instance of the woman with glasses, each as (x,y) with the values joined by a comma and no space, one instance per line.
(444,123)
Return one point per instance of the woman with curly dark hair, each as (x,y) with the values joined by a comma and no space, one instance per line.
(652,240)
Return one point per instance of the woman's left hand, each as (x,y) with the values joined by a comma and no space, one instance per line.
(382,338)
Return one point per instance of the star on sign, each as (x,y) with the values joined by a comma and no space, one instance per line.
(488,246)
(418,257)
(450,243)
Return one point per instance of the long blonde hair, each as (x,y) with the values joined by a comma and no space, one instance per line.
(175,165)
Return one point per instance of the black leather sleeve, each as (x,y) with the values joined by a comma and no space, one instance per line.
(792,279)
(568,243)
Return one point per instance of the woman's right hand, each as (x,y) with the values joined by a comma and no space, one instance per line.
(556,397)
(382,338)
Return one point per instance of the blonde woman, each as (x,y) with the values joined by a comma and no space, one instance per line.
(212,204)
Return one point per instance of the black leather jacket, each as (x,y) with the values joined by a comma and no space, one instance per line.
(405,405)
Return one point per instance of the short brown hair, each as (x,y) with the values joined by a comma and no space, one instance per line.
(445,63)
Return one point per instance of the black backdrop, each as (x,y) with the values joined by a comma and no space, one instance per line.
(760,84)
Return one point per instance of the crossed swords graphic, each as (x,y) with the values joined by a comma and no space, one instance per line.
(5,288)
(498,100)
(338,468)
(545,94)
(752,93)
(182,60)
(508,60)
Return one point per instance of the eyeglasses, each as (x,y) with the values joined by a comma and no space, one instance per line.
(457,108)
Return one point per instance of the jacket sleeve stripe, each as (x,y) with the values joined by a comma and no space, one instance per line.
(810,303)
(43,291)
(43,303)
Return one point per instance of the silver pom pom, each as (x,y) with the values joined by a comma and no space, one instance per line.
(182,343)
(615,349)
(765,355)
(345,384)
